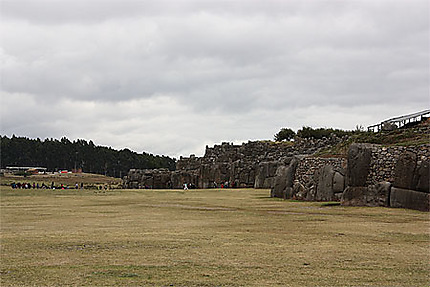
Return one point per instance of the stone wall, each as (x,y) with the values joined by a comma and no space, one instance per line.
(310,178)
(308,167)
(372,175)
(388,176)
(159,178)
(265,173)
(251,164)
(384,159)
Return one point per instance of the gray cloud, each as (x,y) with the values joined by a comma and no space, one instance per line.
(172,76)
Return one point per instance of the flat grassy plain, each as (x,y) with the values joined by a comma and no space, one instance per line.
(215,237)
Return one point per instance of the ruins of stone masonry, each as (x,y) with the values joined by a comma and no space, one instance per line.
(369,175)
(251,164)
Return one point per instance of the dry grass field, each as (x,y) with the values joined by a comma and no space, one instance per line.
(205,238)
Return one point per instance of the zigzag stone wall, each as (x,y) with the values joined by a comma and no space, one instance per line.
(372,175)
(251,164)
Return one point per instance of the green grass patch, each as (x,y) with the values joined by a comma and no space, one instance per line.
(330,203)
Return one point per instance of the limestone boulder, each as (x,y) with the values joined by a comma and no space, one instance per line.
(359,159)
(421,177)
(280,182)
(324,191)
(260,174)
(404,170)
(353,196)
(373,195)
(265,173)
(406,198)
(378,194)
(291,171)
(338,182)
(284,180)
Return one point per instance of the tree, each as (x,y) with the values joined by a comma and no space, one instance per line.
(285,134)
(319,133)
(63,154)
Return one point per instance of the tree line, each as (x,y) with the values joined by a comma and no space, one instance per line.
(315,133)
(64,154)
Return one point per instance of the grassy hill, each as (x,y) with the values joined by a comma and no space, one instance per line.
(412,136)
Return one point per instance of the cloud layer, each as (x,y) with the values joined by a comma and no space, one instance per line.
(169,77)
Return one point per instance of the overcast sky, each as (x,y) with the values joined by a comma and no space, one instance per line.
(170,77)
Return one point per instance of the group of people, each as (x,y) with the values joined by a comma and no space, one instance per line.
(215,185)
(25,185)
(189,186)
(228,185)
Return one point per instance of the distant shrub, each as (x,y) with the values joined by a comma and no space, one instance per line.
(319,133)
(285,134)
(22,173)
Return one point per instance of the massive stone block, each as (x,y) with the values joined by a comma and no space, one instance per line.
(359,157)
(324,191)
(353,196)
(338,182)
(409,173)
(411,199)
(421,177)
(374,195)
(265,174)
(290,178)
(280,182)
(284,180)
(329,183)
(405,170)
(378,194)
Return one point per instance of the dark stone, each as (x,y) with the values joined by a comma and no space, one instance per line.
(325,184)
(310,192)
(338,182)
(421,178)
(299,191)
(291,171)
(359,156)
(280,182)
(404,170)
(265,173)
(378,194)
(284,180)
(353,196)
(239,164)
(374,195)
(405,198)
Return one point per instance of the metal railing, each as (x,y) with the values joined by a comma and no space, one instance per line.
(399,122)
